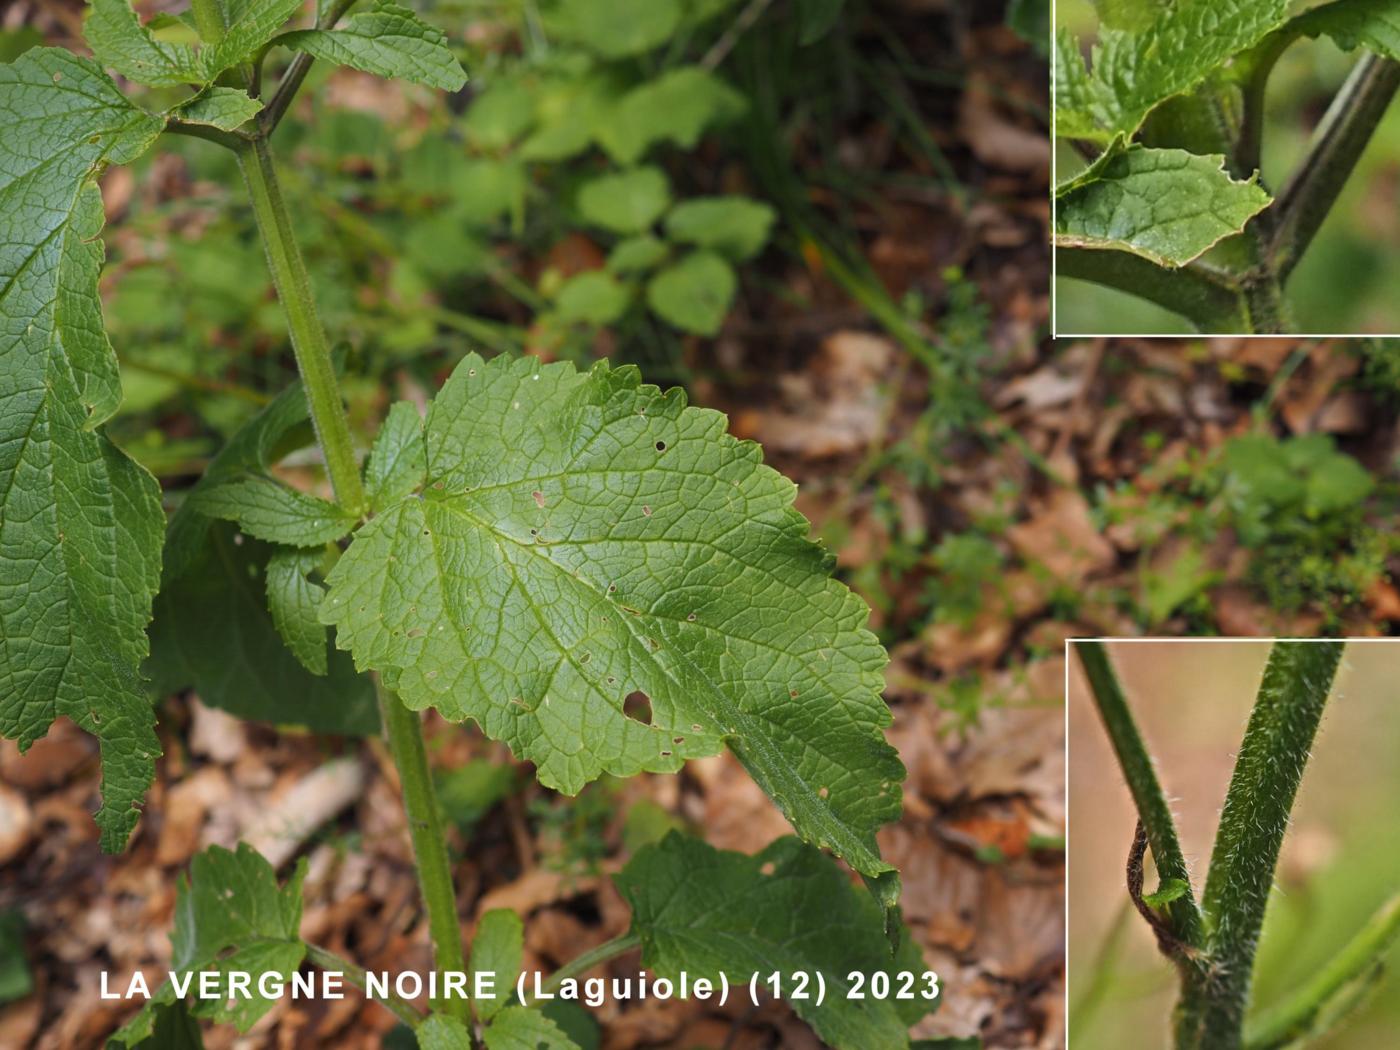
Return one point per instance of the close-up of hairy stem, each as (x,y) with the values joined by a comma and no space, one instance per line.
(1214,944)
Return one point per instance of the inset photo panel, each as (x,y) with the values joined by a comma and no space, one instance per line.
(1234,850)
(1226,168)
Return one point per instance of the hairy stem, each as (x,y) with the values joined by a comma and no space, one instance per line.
(405,732)
(1138,770)
(1292,695)
(402,726)
(1203,296)
(290,83)
(1341,138)
(402,1009)
(309,343)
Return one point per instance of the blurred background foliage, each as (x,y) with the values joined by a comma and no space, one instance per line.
(1344,283)
(1340,857)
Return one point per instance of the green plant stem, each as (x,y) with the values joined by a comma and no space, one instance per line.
(1292,695)
(581,964)
(1265,311)
(405,732)
(312,349)
(1313,1005)
(403,727)
(1147,794)
(1340,139)
(1208,299)
(291,81)
(400,1008)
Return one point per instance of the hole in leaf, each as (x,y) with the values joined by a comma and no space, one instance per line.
(665,754)
(767,868)
(661,446)
(678,740)
(637,706)
(646,510)
(691,617)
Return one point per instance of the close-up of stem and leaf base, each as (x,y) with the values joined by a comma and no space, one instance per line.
(1168,115)
(1210,931)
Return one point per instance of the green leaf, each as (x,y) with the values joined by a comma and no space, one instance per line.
(277,428)
(789,908)
(119,41)
(1134,71)
(441,1032)
(270,510)
(80,522)
(569,111)
(469,791)
(1373,24)
(1166,205)
(170,1025)
(1134,15)
(695,293)
(677,106)
(636,254)
(592,297)
(213,631)
(500,115)
(497,949)
(519,1028)
(1076,93)
(1170,890)
(736,227)
(293,599)
(398,459)
(627,201)
(230,915)
(251,24)
(388,41)
(619,28)
(582,538)
(222,107)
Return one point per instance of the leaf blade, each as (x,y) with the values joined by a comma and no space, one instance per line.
(637,604)
(1166,205)
(79,521)
(389,41)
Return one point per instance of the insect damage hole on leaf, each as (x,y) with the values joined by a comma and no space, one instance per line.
(636,705)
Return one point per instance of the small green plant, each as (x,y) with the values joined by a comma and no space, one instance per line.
(584,566)
(1169,116)
(1302,509)
(1212,939)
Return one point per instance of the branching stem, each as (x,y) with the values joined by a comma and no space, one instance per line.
(290,83)
(1141,775)
(403,727)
